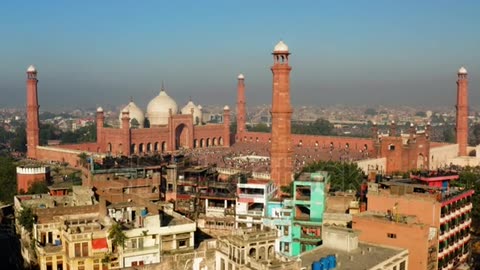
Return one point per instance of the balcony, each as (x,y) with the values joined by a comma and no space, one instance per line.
(142,250)
(49,249)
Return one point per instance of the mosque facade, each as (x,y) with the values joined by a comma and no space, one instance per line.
(166,128)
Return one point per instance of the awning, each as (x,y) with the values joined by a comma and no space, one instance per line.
(100,244)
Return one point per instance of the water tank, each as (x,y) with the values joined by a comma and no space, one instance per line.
(144,212)
(334,261)
(317,266)
(324,263)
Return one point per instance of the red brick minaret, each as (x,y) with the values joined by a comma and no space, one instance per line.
(33,138)
(281,151)
(226,125)
(241,114)
(462,112)
(100,124)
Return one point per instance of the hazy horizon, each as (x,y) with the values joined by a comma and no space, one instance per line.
(360,53)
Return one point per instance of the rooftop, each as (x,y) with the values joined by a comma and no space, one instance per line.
(314,177)
(366,256)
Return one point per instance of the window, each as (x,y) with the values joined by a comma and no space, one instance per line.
(403,265)
(182,243)
(391,147)
(84,249)
(391,235)
(81,249)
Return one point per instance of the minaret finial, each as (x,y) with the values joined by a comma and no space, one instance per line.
(189,98)
(131,98)
(163,85)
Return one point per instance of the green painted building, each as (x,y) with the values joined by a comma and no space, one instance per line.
(299,219)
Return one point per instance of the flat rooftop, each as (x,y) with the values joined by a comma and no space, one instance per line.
(312,176)
(365,256)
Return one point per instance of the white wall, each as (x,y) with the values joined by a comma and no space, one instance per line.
(441,156)
(372,163)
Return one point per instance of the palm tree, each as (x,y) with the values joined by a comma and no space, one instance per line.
(117,236)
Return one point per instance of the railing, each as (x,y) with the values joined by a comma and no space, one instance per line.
(142,249)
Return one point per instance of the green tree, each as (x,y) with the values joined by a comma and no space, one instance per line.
(116,234)
(449,135)
(260,127)
(38,188)
(8,182)
(26,218)
(319,127)
(343,175)
(233,127)
(421,114)
(19,142)
(83,158)
(370,111)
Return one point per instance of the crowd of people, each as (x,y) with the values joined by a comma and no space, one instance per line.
(239,156)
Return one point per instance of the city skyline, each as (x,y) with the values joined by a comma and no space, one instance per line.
(394,54)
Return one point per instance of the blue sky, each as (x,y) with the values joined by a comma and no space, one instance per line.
(92,53)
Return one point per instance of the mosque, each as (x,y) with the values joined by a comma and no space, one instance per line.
(165,128)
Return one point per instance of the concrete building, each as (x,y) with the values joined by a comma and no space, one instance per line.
(299,219)
(424,214)
(349,253)
(72,231)
(252,198)
(251,249)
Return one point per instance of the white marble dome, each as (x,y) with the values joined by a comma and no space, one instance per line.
(462,70)
(100,109)
(197,112)
(31,68)
(134,113)
(280,47)
(158,109)
(241,76)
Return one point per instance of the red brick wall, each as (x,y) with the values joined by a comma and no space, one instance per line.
(24,181)
(412,237)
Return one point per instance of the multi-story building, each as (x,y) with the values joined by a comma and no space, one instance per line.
(423,214)
(73,231)
(201,194)
(252,198)
(299,219)
(251,249)
(342,250)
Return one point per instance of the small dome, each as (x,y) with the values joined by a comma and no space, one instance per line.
(31,68)
(158,109)
(226,108)
(134,113)
(99,109)
(462,70)
(125,110)
(200,107)
(412,125)
(197,113)
(240,76)
(280,47)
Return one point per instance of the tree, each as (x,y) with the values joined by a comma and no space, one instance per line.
(117,235)
(8,182)
(38,188)
(83,158)
(26,218)
(19,142)
(319,127)
(421,114)
(261,127)
(233,127)
(370,111)
(343,175)
(448,135)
